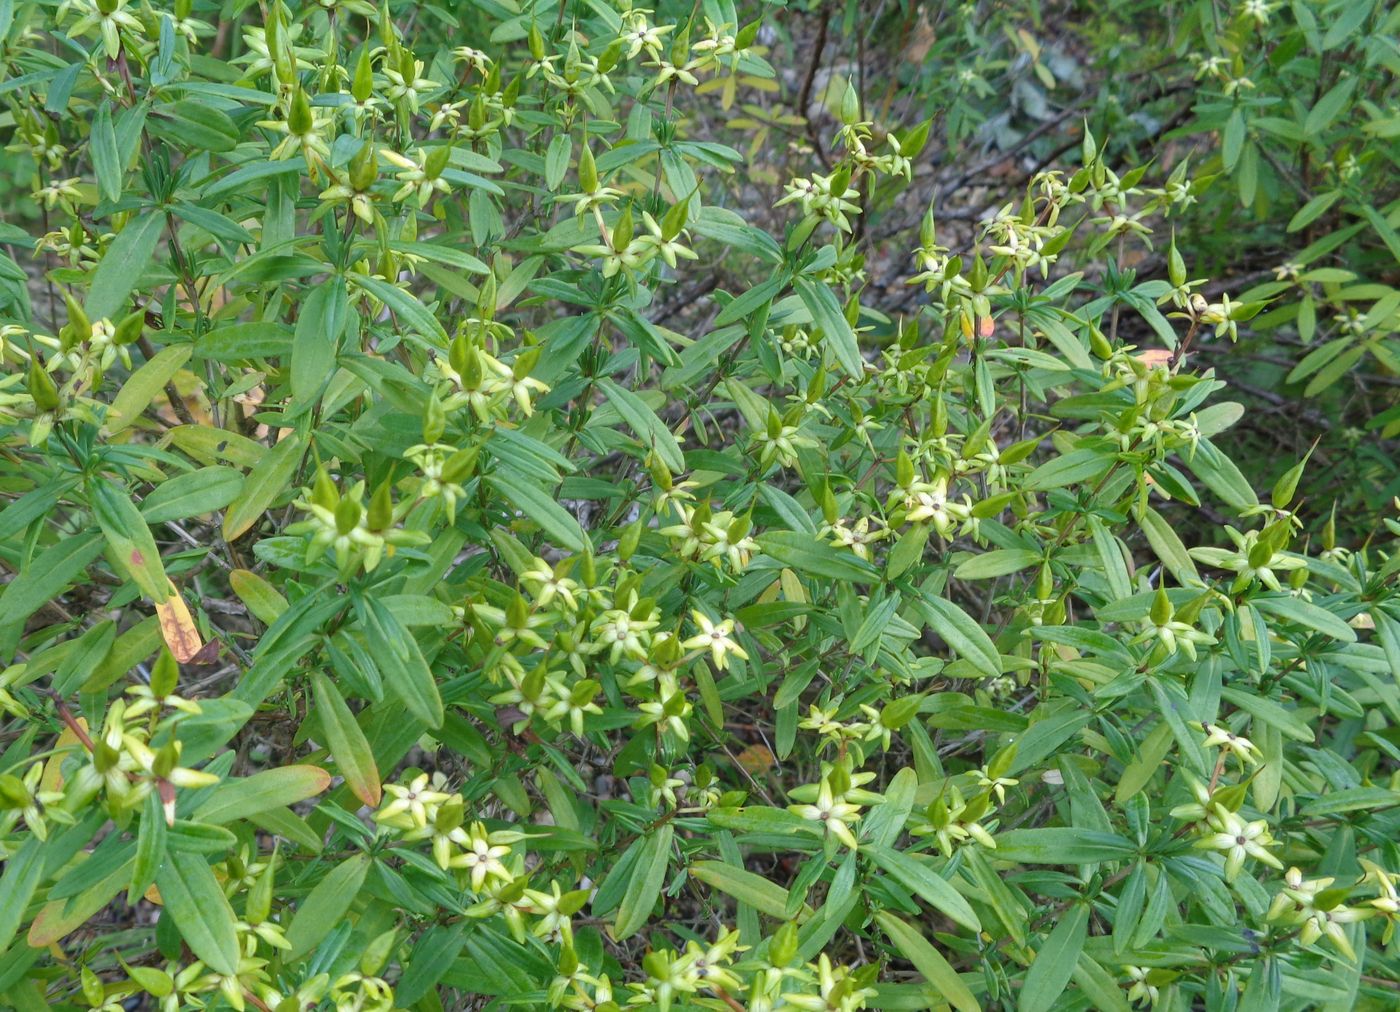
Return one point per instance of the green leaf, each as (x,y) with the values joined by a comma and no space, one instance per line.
(195,125)
(806,554)
(1232,140)
(1000,562)
(1270,713)
(961,632)
(326,905)
(222,228)
(346,741)
(750,301)
(1313,210)
(401,661)
(270,478)
(556,521)
(24,870)
(433,954)
(1055,963)
(122,264)
(194,494)
(141,388)
(1168,546)
(245,796)
(556,160)
(1306,614)
(194,901)
(745,886)
(1072,468)
(1065,845)
(882,827)
(48,575)
(756,819)
(150,848)
(1329,107)
(831,321)
(650,429)
(106,160)
(927,884)
(238,342)
(316,341)
(129,538)
(644,887)
(929,961)
(405,306)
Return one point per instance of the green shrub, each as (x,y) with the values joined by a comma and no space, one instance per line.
(472,543)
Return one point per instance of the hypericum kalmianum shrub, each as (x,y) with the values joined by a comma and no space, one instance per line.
(434,583)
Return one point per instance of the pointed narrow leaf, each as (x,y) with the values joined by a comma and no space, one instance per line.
(925,883)
(1054,964)
(827,315)
(929,961)
(193,899)
(644,887)
(326,905)
(346,741)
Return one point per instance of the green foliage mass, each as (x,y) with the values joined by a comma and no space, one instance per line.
(556,504)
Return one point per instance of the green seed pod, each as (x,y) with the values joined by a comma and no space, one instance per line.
(1231,797)
(624,230)
(92,987)
(631,536)
(460,465)
(903,469)
(1176,267)
(165,675)
(434,420)
(167,758)
(850,105)
(380,516)
(1161,607)
(1099,344)
(364,168)
(77,318)
(451,814)
(129,330)
(13,793)
(1261,554)
(300,120)
(362,84)
(347,516)
(783,949)
(42,387)
(587,170)
(437,161)
(323,491)
(486,305)
(536,43)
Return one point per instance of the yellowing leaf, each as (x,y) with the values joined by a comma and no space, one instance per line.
(178,628)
